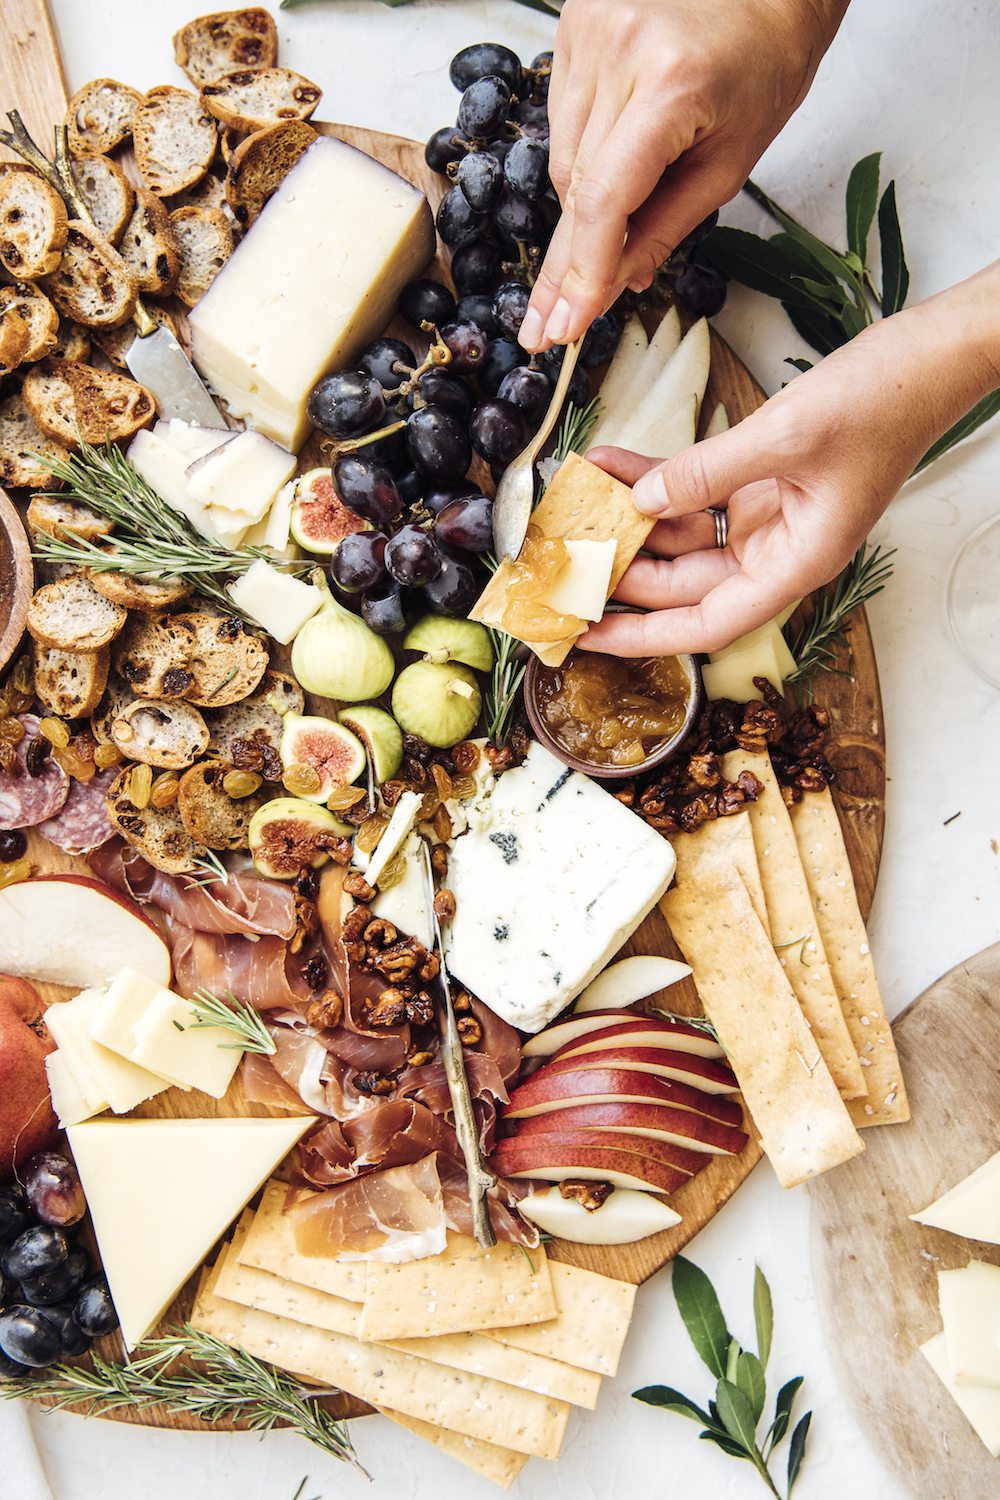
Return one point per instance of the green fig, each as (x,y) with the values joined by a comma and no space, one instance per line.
(380,735)
(439,701)
(337,656)
(442,638)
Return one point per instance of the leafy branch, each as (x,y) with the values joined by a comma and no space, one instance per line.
(732,1419)
(815,646)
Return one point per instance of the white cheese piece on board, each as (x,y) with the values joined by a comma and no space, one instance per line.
(733,676)
(163,467)
(243,474)
(549,891)
(771,631)
(581,588)
(168,1041)
(405,904)
(397,830)
(970,1311)
(68,1100)
(272,533)
(278,601)
(120,1082)
(313,280)
(980,1404)
(124,1001)
(971,1208)
(160,1192)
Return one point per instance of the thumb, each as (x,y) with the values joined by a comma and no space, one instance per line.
(706,474)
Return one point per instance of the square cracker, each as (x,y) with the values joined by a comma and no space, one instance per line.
(464,1289)
(502,1465)
(589,1332)
(251,1287)
(270,1246)
(827,868)
(803,1122)
(723,838)
(581,504)
(794,929)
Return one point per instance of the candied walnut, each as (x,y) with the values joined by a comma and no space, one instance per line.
(307,883)
(469,1030)
(466,757)
(355,923)
(327,1011)
(380,933)
(590,1195)
(417,1059)
(389,1009)
(316,972)
(357,886)
(625,794)
(420,1009)
(371,1082)
(444,906)
(704,770)
(461,1002)
(439,860)
(340,850)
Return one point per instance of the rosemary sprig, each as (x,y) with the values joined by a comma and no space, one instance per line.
(575,428)
(210,870)
(233,1386)
(505,683)
(236,1016)
(815,646)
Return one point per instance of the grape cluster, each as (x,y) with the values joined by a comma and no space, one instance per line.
(53,1303)
(697,283)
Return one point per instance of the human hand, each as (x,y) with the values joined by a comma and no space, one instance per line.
(803,479)
(658,111)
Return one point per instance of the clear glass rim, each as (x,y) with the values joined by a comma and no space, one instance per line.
(962,555)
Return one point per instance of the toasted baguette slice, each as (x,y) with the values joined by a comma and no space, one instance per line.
(227,661)
(259,165)
(175,140)
(116,699)
(99,116)
(259,97)
(253,718)
(76,402)
(116,342)
(73,616)
(205,242)
(170,735)
(209,193)
(93,285)
(20,442)
(157,832)
(149,247)
(148,595)
(152,657)
(107,193)
(70,683)
(66,519)
(33,225)
(38,315)
(72,342)
(207,811)
(15,337)
(214,45)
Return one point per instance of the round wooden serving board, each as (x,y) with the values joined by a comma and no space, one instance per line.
(875,1271)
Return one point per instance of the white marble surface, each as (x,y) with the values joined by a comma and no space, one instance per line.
(916,80)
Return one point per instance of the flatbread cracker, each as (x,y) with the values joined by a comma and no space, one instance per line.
(794,928)
(502,1465)
(803,1122)
(270,1246)
(252,1287)
(589,1332)
(581,504)
(821,846)
(723,838)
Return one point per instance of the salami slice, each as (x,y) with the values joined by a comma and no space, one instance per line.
(27,800)
(82,824)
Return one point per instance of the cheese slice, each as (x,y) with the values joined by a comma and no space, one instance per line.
(124,1001)
(160,1193)
(405,904)
(581,588)
(970,1311)
(732,676)
(980,1404)
(313,280)
(68,1099)
(243,474)
(169,1041)
(971,1208)
(120,1082)
(397,830)
(277,601)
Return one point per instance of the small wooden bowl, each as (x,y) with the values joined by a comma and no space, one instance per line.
(16,579)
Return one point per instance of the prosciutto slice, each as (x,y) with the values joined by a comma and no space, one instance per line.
(394,1133)
(393,1216)
(262,971)
(247,903)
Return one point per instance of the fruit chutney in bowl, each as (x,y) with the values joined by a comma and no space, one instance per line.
(612,716)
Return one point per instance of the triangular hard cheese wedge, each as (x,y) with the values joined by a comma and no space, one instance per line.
(971,1208)
(161,1192)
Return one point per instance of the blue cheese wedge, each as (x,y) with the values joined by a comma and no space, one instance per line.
(548,888)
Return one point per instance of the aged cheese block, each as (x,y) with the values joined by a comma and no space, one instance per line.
(315,278)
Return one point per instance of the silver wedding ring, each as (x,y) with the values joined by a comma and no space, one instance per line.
(721,519)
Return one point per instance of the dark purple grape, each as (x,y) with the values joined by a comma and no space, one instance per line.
(13,844)
(367,488)
(468,344)
(12,1369)
(445,146)
(15,1215)
(411,486)
(439,444)
(39,1249)
(413,557)
(498,431)
(425,301)
(526,168)
(529,390)
(458,223)
(477,308)
(390,450)
(380,358)
(474,266)
(437,500)
(483,59)
(48,1287)
(541,71)
(359,562)
(53,1189)
(382,608)
(439,387)
(94,1310)
(502,356)
(500,147)
(533,117)
(78,1266)
(467,524)
(454,591)
(699,232)
(483,107)
(510,303)
(346,404)
(28,1337)
(701,287)
(601,341)
(518,221)
(71,1336)
(480,176)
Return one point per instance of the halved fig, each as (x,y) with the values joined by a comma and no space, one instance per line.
(380,735)
(319,518)
(289,833)
(322,745)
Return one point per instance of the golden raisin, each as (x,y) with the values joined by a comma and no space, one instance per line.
(107,755)
(343,797)
(15,872)
(55,731)
(12,730)
(393,873)
(164,790)
(238,784)
(140,786)
(80,767)
(22,678)
(301,780)
(443,782)
(370,832)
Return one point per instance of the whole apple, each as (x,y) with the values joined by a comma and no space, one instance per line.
(27,1121)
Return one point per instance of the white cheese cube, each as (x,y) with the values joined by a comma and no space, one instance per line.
(980,1404)
(242,475)
(68,1100)
(582,587)
(277,601)
(168,1041)
(972,1207)
(970,1311)
(771,631)
(733,676)
(272,533)
(117,1011)
(547,892)
(404,815)
(120,1082)
(313,280)
(405,904)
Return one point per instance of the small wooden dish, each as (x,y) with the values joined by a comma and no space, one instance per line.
(16,579)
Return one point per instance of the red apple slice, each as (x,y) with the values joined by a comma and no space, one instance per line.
(655,1121)
(622,1026)
(558,1163)
(74,930)
(545,1091)
(700,1072)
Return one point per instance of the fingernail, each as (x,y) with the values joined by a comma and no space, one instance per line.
(649,494)
(530,332)
(558,325)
